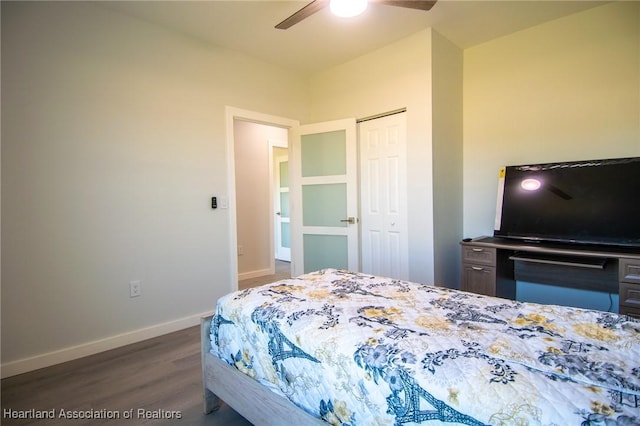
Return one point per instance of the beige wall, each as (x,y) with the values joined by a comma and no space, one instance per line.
(447,160)
(113,142)
(564,90)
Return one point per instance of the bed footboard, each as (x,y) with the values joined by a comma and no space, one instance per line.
(211,402)
(245,395)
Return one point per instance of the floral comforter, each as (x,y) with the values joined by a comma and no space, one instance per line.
(356,349)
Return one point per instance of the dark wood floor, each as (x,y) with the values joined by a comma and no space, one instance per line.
(158,375)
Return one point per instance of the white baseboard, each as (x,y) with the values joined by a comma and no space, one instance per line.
(74,352)
(255,274)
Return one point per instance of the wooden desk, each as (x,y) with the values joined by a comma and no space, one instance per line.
(493,265)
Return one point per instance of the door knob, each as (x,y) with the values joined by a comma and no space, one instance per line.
(349,220)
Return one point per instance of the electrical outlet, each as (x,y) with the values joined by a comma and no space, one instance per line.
(135,288)
(240,250)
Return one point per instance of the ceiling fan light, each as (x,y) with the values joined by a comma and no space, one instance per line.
(347,8)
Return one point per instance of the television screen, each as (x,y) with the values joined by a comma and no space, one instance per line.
(587,202)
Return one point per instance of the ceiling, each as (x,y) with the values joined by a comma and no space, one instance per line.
(322,40)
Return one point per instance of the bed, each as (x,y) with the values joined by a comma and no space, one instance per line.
(348,348)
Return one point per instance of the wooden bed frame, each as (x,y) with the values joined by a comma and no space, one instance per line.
(245,395)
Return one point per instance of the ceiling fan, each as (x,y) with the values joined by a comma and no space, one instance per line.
(317,5)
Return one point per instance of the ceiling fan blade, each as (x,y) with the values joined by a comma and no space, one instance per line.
(305,12)
(411,4)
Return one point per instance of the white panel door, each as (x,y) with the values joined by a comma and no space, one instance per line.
(323,168)
(282,211)
(383,204)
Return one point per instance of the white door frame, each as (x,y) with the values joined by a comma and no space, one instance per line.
(232,114)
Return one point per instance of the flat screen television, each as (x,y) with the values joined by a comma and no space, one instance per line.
(579,202)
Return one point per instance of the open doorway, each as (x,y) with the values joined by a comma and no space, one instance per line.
(254,151)
(253,139)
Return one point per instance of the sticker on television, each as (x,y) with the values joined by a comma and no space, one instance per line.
(498,220)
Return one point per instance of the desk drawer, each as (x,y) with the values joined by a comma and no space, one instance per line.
(479,279)
(630,270)
(630,295)
(632,312)
(483,255)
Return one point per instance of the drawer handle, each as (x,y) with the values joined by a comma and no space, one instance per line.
(633,297)
(633,272)
(477,249)
(477,268)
